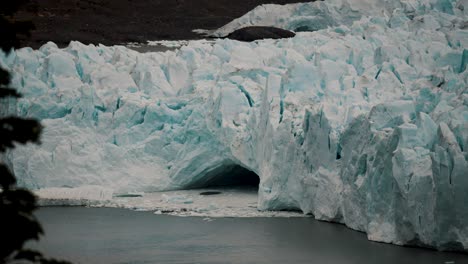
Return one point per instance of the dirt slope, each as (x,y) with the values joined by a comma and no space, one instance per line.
(121,21)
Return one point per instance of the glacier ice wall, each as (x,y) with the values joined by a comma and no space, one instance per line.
(362,122)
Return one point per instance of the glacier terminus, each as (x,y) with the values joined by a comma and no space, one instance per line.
(360,119)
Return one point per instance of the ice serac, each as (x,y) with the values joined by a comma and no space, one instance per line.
(363,121)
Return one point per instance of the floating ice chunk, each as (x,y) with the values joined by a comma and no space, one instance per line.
(177,199)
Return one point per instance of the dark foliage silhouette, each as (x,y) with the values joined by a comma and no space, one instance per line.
(17,222)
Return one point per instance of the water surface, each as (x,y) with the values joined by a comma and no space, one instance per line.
(106,235)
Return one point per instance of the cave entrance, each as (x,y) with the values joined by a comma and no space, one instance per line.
(228,176)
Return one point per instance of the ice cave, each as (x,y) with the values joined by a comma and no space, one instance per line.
(226,175)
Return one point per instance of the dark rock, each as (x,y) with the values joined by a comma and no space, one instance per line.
(128,195)
(210,193)
(255,33)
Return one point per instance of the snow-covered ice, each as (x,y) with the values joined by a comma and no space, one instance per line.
(164,45)
(363,121)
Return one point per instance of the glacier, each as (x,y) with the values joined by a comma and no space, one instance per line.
(363,121)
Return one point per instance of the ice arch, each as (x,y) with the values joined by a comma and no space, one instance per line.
(225,174)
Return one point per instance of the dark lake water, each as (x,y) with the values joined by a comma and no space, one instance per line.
(105,235)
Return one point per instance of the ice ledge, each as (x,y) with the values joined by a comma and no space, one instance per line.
(228,202)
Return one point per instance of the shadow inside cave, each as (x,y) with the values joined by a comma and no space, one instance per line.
(227,176)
